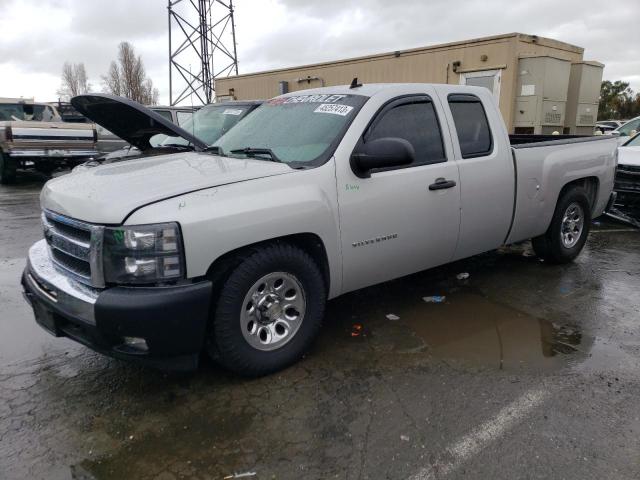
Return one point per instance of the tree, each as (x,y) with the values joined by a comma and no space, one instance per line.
(74,80)
(127,77)
(112,80)
(618,101)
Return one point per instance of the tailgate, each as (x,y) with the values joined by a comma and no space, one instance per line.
(39,132)
(51,139)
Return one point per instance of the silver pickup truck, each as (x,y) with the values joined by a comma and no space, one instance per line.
(236,248)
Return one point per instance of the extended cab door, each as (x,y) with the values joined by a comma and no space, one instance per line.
(392,224)
(487,177)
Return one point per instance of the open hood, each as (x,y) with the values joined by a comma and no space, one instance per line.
(129,120)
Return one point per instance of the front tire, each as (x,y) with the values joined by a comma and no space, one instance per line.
(567,234)
(268,312)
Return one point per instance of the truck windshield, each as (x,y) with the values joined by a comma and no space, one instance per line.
(209,123)
(296,129)
(27,112)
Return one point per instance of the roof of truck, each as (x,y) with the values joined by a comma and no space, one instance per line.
(367,89)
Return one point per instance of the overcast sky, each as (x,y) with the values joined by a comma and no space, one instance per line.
(39,35)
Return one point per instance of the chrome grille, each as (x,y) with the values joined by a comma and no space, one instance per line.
(632,169)
(76,265)
(75,247)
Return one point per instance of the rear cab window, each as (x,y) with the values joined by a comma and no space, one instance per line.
(472,125)
(414,119)
(27,112)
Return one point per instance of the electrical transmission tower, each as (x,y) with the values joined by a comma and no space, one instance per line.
(202,47)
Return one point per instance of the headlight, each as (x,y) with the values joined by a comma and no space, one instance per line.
(143,254)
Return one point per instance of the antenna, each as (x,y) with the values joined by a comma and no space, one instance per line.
(354,83)
(201,31)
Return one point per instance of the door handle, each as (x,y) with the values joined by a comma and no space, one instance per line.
(442,183)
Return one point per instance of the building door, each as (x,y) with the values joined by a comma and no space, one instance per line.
(489,79)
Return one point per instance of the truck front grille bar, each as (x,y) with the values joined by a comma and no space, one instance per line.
(75,247)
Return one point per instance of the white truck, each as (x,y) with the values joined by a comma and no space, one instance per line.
(234,249)
(34,137)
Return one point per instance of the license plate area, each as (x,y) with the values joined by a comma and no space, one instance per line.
(57,153)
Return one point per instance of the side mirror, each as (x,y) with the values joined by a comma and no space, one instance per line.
(381,153)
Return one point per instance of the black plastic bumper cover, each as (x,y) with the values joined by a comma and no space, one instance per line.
(172,320)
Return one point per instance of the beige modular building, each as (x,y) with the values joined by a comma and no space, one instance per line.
(542,85)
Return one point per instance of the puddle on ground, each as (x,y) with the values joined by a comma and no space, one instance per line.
(468,329)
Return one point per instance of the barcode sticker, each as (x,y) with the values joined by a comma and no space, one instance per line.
(334,108)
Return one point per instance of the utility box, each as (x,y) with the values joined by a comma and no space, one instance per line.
(583,97)
(541,95)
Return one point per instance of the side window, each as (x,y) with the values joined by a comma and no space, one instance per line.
(472,125)
(165,113)
(183,117)
(415,122)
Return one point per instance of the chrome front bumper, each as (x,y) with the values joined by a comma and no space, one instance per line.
(57,290)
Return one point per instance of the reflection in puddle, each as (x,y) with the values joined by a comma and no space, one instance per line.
(472,330)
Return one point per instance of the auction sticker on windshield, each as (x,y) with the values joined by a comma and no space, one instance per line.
(334,108)
(317,98)
(232,111)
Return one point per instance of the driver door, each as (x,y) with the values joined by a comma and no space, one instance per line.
(392,224)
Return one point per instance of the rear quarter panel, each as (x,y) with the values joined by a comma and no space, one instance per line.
(543,170)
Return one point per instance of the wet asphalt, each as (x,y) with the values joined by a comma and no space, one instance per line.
(523,370)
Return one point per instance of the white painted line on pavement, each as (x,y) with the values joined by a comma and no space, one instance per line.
(472,443)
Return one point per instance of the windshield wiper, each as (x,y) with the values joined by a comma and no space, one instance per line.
(176,145)
(252,152)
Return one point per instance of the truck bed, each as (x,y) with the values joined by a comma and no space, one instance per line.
(545,163)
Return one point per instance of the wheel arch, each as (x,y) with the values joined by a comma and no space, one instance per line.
(591,186)
(311,243)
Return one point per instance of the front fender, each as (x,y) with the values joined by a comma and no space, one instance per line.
(218,220)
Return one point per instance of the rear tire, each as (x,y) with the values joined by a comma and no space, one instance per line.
(8,169)
(564,239)
(269,311)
